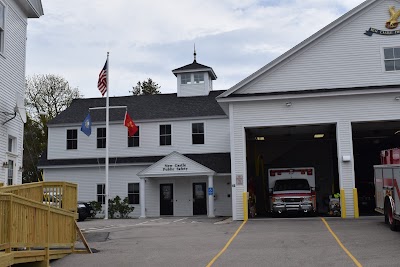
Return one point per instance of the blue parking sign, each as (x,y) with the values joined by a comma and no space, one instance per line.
(210,191)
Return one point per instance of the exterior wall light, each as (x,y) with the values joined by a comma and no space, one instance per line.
(5,164)
(288,104)
(397,98)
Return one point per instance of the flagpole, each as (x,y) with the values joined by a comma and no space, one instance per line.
(107,137)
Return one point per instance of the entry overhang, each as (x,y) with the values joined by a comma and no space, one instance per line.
(175,164)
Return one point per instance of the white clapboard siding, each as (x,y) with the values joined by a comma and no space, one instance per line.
(344,57)
(87,179)
(12,81)
(340,110)
(216,140)
(194,89)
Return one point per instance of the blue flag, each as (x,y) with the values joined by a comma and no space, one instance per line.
(87,125)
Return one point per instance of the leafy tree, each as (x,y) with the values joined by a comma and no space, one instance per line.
(45,94)
(34,145)
(148,87)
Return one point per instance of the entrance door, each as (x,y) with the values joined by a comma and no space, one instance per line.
(166,199)
(199,199)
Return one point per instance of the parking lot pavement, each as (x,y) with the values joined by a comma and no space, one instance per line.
(189,241)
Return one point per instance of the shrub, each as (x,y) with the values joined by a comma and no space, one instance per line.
(96,206)
(121,207)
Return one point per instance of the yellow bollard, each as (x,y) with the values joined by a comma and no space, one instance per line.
(355,199)
(245,206)
(342,203)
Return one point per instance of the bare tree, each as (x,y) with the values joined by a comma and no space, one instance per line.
(48,93)
(46,96)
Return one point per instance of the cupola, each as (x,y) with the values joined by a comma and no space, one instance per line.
(194,79)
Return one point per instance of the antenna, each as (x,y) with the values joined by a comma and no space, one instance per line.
(18,109)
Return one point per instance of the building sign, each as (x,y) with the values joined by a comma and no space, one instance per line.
(174,167)
(239,179)
(391,23)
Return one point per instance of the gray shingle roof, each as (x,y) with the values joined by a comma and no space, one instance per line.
(218,162)
(195,66)
(143,107)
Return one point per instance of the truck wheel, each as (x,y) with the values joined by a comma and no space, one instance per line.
(392,221)
(385,211)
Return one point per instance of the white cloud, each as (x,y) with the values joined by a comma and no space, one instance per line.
(150,38)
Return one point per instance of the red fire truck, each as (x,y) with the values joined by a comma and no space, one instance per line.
(387,193)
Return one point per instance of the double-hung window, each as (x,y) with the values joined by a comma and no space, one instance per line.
(2,25)
(101,193)
(133,193)
(185,78)
(101,137)
(197,133)
(72,139)
(199,78)
(165,135)
(392,58)
(133,141)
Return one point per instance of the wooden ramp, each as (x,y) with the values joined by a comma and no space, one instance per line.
(34,232)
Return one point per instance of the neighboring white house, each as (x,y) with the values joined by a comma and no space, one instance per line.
(180,152)
(331,103)
(14,16)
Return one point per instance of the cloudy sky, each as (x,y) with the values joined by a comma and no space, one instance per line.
(148,39)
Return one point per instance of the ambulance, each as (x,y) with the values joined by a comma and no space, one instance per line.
(292,190)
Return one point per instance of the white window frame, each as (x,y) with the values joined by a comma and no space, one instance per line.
(13,144)
(159,134)
(138,194)
(3,30)
(127,143)
(191,131)
(97,138)
(66,145)
(101,194)
(186,74)
(197,74)
(383,58)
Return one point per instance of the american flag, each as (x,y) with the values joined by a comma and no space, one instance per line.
(102,83)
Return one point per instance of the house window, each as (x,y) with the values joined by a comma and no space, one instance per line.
(2,25)
(185,78)
(101,193)
(199,78)
(11,144)
(392,58)
(197,133)
(101,137)
(165,135)
(134,140)
(133,193)
(72,139)
(10,174)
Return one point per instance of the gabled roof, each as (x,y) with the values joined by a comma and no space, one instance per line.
(142,107)
(32,8)
(298,47)
(191,167)
(195,67)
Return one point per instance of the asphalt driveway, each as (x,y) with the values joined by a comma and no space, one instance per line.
(189,241)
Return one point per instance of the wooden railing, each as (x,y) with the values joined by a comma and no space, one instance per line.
(34,232)
(57,194)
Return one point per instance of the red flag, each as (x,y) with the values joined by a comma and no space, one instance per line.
(102,82)
(128,122)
